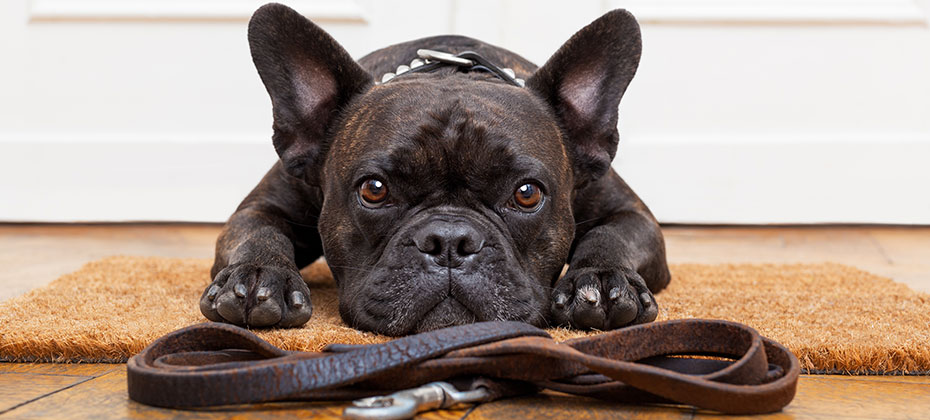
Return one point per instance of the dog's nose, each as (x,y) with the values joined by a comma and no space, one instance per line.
(448,243)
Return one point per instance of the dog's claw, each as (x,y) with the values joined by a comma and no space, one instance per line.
(240,290)
(614,293)
(263,294)
(590,295)
(297,299)
(211,294)
(560,300)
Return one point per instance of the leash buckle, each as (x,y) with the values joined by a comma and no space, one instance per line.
(407,403)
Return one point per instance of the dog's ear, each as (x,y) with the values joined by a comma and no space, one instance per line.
(309,77)
(584,81)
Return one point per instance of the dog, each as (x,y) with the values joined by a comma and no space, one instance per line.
(442,197)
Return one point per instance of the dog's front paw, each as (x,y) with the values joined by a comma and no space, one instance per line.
(257,296)
(604,299)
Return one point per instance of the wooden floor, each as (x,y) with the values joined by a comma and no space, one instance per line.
(32,256)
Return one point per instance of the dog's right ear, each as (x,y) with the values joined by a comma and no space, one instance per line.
(309,77)
(584,81)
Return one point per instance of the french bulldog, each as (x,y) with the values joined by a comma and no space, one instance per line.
(444,197)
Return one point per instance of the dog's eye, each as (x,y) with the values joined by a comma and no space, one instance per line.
(528,197)
(373,193)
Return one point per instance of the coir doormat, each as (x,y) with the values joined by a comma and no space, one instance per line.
(835,318)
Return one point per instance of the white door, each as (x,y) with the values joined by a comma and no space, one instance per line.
(743,111)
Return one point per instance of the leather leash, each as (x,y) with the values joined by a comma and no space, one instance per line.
(219,364)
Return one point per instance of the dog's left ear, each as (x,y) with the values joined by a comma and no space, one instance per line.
(584,81)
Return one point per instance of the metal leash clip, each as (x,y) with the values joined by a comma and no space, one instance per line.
(407,403)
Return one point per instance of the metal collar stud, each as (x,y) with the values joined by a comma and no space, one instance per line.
(468,61)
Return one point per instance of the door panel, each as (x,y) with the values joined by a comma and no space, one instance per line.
(743,111)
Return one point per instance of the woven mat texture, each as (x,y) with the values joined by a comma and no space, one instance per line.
(835,318)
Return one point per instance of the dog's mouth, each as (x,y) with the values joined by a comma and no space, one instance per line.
(440,299)
(446,313)
(421,303)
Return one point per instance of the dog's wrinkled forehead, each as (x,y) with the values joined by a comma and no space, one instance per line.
(444,128)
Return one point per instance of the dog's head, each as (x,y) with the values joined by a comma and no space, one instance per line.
(448,199)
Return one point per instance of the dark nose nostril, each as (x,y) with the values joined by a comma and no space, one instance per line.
(428,242)
(433,245)
(469,245)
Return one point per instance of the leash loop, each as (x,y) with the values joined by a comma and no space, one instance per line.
(664,362)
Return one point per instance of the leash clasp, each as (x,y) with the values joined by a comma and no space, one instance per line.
(407,403)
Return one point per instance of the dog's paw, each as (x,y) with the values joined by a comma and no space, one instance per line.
(604,299)
(257,296)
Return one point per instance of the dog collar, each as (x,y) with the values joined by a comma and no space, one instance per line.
(468,61)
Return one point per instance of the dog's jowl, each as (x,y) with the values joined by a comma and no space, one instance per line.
(446,181)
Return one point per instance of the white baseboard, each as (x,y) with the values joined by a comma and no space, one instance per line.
(138,181)
(705,181)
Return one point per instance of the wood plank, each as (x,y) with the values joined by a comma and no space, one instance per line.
(70,369)
(34,255)
(901,253)
(908,250)
(20,388)
(551,405)
(851,397)
(904,379)
(105,398)
(772,244)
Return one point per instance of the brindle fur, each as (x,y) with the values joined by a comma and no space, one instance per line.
(452,147)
